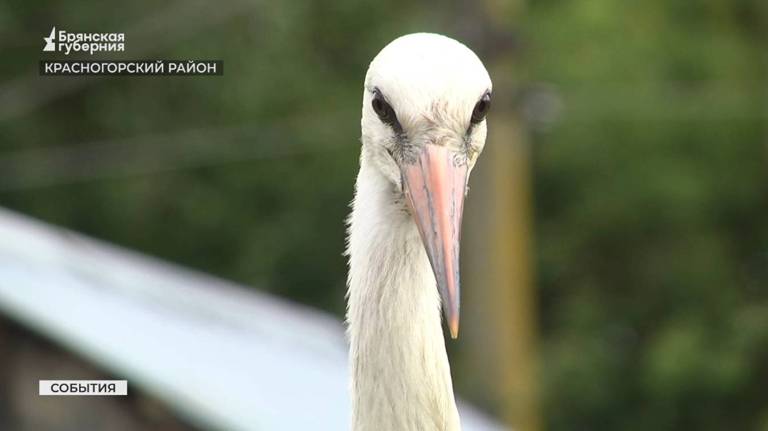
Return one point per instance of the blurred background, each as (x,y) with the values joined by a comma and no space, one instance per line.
(616,241)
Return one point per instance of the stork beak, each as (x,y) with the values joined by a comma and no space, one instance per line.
(435,185)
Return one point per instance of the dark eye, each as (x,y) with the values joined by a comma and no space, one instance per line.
(385,112)
(481,108)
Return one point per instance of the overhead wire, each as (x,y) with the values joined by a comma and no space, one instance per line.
(149,154)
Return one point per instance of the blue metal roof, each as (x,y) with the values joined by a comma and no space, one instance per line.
(221,355)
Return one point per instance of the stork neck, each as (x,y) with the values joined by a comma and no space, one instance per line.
(400,372)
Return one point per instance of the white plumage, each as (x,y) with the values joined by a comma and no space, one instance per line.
(413,174)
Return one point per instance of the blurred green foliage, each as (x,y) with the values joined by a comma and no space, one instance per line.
(652,205)
(651,183)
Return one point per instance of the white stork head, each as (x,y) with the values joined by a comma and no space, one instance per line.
(423,126)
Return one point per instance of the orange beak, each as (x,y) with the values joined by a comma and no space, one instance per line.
(435,184)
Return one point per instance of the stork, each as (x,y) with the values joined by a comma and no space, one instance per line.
(423,127)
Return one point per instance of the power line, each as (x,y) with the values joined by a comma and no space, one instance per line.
(149,154)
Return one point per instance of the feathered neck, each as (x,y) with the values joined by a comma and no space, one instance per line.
(400,373)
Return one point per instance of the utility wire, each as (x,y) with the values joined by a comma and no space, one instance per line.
(150,154)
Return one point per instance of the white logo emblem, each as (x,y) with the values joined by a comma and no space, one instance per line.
(90,43)
(50,43)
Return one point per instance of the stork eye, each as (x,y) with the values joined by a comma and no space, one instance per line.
(385,112)
(481,109)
